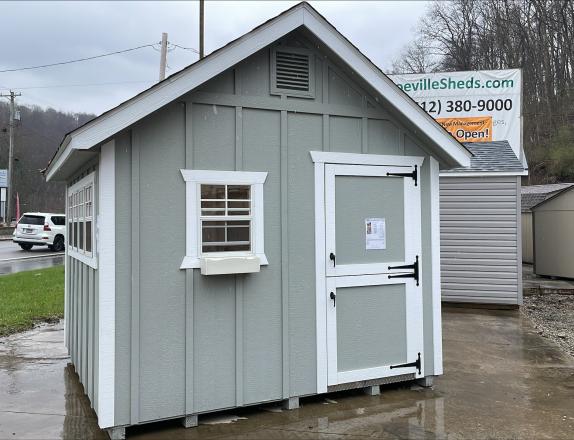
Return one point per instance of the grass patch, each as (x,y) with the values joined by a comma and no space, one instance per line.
(29,297)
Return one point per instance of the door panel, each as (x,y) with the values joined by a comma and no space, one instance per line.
(358,198)
(371,328)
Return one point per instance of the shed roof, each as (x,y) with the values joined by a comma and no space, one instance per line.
(3,178)
(302,15)
(489,157)
(534,195)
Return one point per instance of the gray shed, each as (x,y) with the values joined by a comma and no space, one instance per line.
(260,226)
(553,227)
(480,227)
(532,195)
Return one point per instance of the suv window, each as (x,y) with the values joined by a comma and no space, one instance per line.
(59,220)
(32,220)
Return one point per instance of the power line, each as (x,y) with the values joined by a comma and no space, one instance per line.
(76,61)
(51,86)
(184,48)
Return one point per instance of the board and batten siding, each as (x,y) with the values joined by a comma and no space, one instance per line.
(81,314)
(187,343)
(480,239)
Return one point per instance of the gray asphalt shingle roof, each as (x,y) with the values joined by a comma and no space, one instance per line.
(3,178)
(490,157)
(534,194)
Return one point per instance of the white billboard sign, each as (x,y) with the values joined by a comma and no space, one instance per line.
(474,106)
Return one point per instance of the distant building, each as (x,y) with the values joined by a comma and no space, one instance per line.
(3,190)
(532,196)
(553,235)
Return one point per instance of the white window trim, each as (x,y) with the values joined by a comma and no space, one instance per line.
(194,178)
(89,259)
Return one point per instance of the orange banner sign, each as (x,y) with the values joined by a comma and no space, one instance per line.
(471,129)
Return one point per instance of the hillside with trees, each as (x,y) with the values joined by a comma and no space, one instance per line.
(37,136)
(534,35)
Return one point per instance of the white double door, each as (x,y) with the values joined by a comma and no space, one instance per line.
(374,315)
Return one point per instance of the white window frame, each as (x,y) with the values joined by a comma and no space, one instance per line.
(89,258)
(193,181)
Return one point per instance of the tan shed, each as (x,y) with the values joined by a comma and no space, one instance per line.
(553,226)
(532,195)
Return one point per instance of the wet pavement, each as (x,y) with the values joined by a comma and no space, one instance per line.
(502,380)
(13,259)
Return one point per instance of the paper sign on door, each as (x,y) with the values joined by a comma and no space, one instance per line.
(375,233)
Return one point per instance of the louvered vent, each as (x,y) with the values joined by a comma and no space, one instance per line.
(292,72)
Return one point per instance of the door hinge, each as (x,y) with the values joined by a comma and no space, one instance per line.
(416,364)
(414,267)
(413,175)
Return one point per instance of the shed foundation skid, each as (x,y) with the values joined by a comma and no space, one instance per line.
(303,249)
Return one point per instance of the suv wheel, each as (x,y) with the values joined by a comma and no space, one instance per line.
(26,246)
(58,245)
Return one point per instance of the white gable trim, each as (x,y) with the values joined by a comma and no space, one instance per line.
(180,83)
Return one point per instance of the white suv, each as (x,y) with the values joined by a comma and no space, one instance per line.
(41,229)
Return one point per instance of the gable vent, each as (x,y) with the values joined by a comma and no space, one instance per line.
(292,70)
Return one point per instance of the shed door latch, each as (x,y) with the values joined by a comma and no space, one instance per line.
(414,267)
(413,175)
(416,364)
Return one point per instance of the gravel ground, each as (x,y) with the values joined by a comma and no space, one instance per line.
(553,317)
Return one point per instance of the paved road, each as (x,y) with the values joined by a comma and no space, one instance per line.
(13,259)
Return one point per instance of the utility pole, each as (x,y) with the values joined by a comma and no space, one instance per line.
(163,56)
(9,191)
(201,16)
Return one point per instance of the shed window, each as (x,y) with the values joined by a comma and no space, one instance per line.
(80,220)
(225,218)
(224,215)
(292,72)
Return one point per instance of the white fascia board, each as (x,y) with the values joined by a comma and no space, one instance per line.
(59,160)
(400,100)
(485,173)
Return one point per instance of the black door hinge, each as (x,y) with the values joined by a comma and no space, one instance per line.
(416,364)
(414,267)
(413,175)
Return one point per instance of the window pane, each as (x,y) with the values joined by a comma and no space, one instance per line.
(238,192)
(213,234)
(70,232)
(75,234)
(88,236)
(81,238)
(213,191)
(238,204)
(237,233)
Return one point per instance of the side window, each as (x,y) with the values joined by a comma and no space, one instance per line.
(80,220)
(58,220)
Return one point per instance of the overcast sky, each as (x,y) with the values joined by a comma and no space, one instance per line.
(47,32)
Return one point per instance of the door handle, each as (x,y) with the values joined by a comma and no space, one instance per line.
(332,258)
(333,297)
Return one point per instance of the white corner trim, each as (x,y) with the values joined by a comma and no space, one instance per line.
(194,178)
(131,111)
(66,276)
(484,173)
(365,159)
(106,246)
(320,279)
(435,263)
